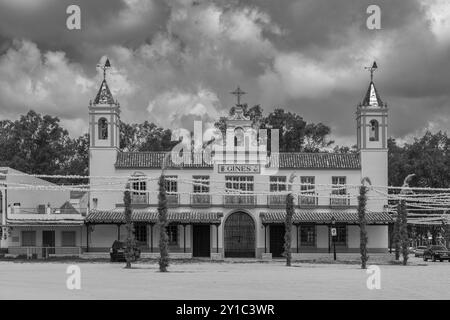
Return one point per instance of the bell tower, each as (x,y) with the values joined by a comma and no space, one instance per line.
(372,135)
(104,122)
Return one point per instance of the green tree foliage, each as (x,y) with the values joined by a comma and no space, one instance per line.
(162,223)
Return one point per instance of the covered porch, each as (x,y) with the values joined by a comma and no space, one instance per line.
(311,232)
(191,233)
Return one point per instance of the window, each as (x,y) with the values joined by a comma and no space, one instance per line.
(238,137)
(140,232)
(203,184)
(1,202)
(171,184)
(102,129)
(308,235)
(374,129)
(307,184)
(242,183)
(277,183)
(172,232)
(341,237)
(139,185)
(339,185)
(68,238)
(28,238)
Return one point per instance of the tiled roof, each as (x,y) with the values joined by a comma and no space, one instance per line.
(104,95)
(282,160)
(325,217)
(372,97)
(155,160)
(315,160)
(145,215)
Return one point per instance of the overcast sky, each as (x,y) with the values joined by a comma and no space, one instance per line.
(176,61)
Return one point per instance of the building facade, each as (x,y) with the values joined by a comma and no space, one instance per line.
(39,219)
(235,207)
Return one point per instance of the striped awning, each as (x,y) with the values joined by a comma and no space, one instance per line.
(324,217)
(117,216)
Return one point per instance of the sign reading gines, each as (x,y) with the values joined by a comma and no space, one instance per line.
(238,168)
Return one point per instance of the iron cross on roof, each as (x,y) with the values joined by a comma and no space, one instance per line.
(238,93)
(372,69)
(105,66)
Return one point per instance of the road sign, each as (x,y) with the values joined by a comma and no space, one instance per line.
(333,232)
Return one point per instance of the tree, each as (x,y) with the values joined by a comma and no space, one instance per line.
(428,157)
(396,238)
(35,144)
(362,201)
(130,242)
(403,231)
(162,223)
(295,134)
(145,136)
(288,221)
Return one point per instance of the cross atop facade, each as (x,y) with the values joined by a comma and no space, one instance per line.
(107,65)
(238,93)
(372,69)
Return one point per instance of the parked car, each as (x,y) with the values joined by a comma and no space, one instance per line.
(436,252)
(117,251)
(419,251)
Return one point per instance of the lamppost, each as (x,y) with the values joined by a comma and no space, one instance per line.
(333,234)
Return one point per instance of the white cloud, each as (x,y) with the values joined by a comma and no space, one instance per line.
(179,109)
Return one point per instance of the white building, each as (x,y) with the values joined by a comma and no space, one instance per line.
(37,221)
(204,221)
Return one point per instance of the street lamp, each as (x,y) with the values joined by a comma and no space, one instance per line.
(333,234)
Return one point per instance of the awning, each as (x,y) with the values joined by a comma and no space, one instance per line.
(117,216)
(46,223)
(324,217)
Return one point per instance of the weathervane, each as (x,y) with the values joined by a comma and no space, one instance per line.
(105,66)
(238,93)
(372,69)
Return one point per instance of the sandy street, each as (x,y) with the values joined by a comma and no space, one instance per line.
(205,280)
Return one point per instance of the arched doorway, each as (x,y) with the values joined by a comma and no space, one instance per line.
(239,230)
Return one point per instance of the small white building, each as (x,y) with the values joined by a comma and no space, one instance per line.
(38,221)
(209,220)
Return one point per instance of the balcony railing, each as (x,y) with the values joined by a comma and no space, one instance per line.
(308,199)
(49,210)
(239,200)
(339,200)
(200,199)
(45,252)
(276,200)
(139,199)
(173,200)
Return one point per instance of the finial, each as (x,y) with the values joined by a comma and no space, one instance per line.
(372,69)
(107,65)
(238,93)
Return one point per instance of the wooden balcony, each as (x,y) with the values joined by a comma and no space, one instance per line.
(239,200)
(202,200)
